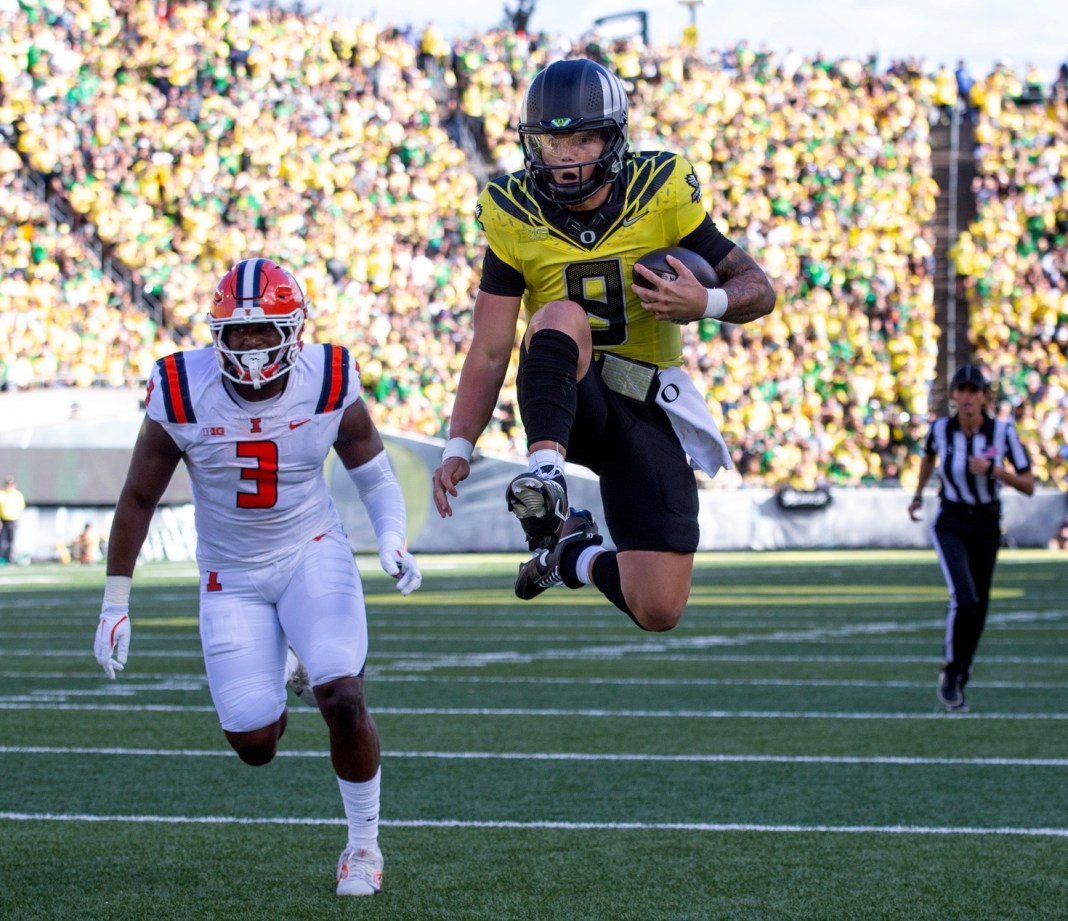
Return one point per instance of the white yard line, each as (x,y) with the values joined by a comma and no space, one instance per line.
(193,681)
(29,703)
(1000,831)
(892,760)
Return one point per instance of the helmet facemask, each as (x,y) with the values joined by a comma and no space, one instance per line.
(541,150)
(257,366)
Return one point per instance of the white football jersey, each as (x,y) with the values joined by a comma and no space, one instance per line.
(256,469)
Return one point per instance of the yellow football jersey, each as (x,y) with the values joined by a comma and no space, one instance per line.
(561,256)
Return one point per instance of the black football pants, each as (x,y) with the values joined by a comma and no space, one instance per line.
(967,560)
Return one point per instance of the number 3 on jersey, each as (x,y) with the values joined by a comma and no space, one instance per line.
(264,475)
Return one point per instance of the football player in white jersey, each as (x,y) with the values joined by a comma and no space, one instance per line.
(254,417)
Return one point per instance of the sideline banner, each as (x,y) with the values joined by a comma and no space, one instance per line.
(803,500)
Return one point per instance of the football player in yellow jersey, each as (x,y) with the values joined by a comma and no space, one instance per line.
(598,379)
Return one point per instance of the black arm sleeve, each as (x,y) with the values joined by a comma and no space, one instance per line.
(707,241)
(498,277)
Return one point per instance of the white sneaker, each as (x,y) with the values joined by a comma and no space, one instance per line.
(359,871)
(297,679)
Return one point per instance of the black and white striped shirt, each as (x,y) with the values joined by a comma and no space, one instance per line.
(996,438)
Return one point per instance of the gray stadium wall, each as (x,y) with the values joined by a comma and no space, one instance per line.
(71,469)
(731,519)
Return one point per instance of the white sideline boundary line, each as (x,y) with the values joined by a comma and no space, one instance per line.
(892,760)
(556,826)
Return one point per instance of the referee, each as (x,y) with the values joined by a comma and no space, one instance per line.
(974,449)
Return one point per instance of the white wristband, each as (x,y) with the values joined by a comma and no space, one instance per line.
(117,589)
(716,305)
(457,447)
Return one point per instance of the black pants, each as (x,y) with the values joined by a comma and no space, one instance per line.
(648,489)
(7,539)
(968,556)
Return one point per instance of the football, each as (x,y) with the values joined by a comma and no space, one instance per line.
(655,262)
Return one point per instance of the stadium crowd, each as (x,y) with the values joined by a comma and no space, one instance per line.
(1013,261)
(353,153)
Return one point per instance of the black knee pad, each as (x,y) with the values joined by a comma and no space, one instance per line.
(547,386)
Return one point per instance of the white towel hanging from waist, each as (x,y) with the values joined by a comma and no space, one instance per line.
(693,423)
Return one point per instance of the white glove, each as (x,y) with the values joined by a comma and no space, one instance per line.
(113,633)
(402,566)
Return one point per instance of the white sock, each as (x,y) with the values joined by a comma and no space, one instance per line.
(584,563)
(361,801)
(547,462)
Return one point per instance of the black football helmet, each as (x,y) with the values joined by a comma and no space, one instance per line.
(565,98)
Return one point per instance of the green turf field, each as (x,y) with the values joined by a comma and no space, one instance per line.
(780,755)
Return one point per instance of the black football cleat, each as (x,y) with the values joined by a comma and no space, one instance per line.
(951,691)
(540,504)
(542,571)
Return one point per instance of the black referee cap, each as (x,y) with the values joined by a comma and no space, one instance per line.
(969,375)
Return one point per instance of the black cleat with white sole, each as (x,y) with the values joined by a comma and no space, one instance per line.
(542,571)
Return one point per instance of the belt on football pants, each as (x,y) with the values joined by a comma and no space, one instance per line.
(635,380)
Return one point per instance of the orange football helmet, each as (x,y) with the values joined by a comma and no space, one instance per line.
(258,291)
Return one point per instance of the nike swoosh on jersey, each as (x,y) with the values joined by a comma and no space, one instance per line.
(297,425)
(628,221)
